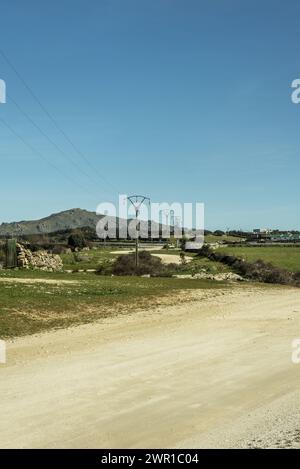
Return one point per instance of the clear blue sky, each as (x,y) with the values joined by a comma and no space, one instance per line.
(183,100)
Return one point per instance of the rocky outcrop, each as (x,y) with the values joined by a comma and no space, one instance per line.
(38,260)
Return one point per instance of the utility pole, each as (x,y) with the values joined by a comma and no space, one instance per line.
(137,201)
(166,211)
(177,223)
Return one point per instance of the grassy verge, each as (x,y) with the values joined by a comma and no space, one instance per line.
(33,301)
(202,264)
(210,238)
(280,256)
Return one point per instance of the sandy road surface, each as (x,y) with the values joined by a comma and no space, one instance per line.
(166,258)
(214,372)
(172,258)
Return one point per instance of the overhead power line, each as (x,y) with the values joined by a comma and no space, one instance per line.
(37,152)
(54,122)
(54,144)
(137,201)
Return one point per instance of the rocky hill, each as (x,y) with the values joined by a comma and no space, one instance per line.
(65,221)
(68,219)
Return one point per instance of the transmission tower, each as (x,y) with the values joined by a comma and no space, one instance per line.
(166,212)
(137,201)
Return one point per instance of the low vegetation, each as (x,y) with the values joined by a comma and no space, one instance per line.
(35,301)
(91,259)
(258,270)
(285,257)
(147,265)
(218,237)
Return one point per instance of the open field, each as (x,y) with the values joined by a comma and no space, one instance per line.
(94,258)
(33,301)
(87,259)
(281,256)
(215,372)
(166,256)
(211,238)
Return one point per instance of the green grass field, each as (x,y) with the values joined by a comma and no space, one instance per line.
(210,238)
(199,264)
(34,301)
(93,258)
(280,256)
(87,259)
(28,304)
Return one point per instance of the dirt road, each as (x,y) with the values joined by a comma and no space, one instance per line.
(166,258)
(214,372)
(172,258)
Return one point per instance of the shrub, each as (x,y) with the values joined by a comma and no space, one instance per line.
(259,271)
(59,249)
(105,268)
(77,240)
(2,255)
(297,279)
(219,233)
(125,264)
(182,258)
(81,257)
(148,265)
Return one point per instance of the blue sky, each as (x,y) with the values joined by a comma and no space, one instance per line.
(182,100)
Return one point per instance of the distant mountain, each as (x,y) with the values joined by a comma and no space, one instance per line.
(68,219)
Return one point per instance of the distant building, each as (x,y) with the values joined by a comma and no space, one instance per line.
(262,231)
(286,237)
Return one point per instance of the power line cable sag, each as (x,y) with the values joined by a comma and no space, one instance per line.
(54,122)
(37,152)
(62,152)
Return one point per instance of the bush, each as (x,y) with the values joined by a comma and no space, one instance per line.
(297,279)
(81,257)
(148,265)
(259,271)
(105,268)
(219,233)
(77,240)
(59,249)
(2,255)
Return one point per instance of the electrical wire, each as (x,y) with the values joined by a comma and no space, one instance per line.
(54,122)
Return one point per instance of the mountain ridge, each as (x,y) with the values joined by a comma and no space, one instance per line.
(64,220)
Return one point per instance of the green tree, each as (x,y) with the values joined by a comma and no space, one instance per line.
(77,240)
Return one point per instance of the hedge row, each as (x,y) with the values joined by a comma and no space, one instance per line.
(259,270)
